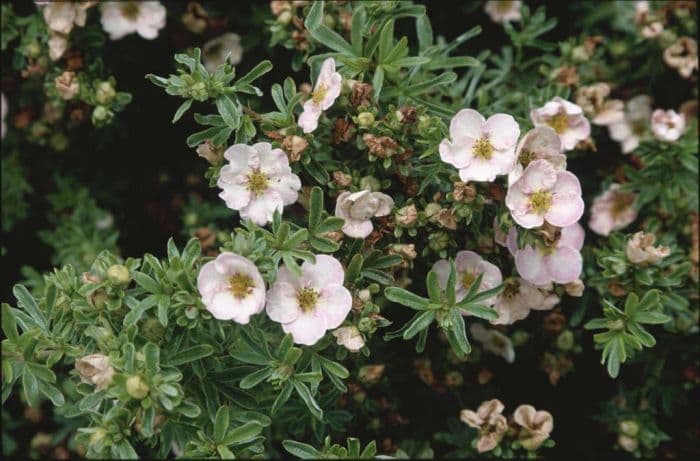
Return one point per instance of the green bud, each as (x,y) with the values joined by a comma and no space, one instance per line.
(366,325)
(32,49)
(565,340)
(285,17)
(59,142)
(580,54)
(191,219)
(374,288)
(99,299)
(118,274)
(438,241)
(629,427)
(198,91)
(101,115)
(152,330)
(105,93)
(371,183)
(519,337)
(97,438)
(365,119)
(432,209)
(329,21)
(136,387)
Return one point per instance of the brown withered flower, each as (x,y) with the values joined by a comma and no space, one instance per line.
(446,219)
(463,192)
(407,114)
(67,85)
(195,18)
(206,237)
(380,146)
(210,153)
(554,321)
(567,75)
(342,179)
(361,94)
(293,146)
(490,423)
(342,131)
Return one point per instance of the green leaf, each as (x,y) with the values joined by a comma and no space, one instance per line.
(243,434)
(354,268)
(255,378)
(424,31)
(301,450)
(182,109)
(189,408)
(256,72)
(483,312)
(40,371)
(315,207)
(386,40)
(308,399)
(334,368)
(331,39)
(30,385)
(323,244)
(406,298)
(378,81)
(221,423)
(314,16)
(420,323)
(229,111)
(151,353)
(26,301)
(9,323)
(146,282)
(282,397)
(649,301)
(191,354)
(457,335)
(52,393)
(359,17)
(224,452)
(370,451)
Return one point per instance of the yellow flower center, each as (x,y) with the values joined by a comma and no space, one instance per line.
(621,203)
(257,182)
(240,285)
(467,279)
(559,122)
(307,299)
(526,157)
(504,6)
(483,148)
(130,10)
(511,289)
(319,93)
(540,202)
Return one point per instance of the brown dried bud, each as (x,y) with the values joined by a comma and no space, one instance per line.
(342,131)
(567,75)
(342,179)
(293,146)
(90,278)
(195,18)
(484,376)
(616,289)
(206,237)
(407,114)
(587,144)
(336,236)
(590,43)
(301,40)
(274,135)
(446,219)
(345,19)
(575,288)
(95,369)
(211,153)
(67,85)
(380,146)
(424,370)
(361,94)
(554,322)
(74,60)
(463,192)
(370,374)
(406,216)
(406,250)
(496,192)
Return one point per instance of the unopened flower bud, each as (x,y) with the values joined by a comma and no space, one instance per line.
(438,241)
(99,299)
(104,94)
(454,379)
(67,85)
(136,387)
(152,330)
(406,216)
(629,427)
(118,274)
(97,436)
(365,119)
(364,295)
(293,146)
(370,183)
(210,153)
(366,325)
(575,288)
(627,443)
(101,115)
(431,211)
(350,338)
(198,91)
(565,340)
(95,369)
(285,17)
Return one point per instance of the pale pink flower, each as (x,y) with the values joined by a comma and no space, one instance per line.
(326,91)
(231,288)
(358,208)
(633,126)
(257,181)
(501,11)
(493,341)
(535,426)
(566,118)
(641,250)
(350,338)
(3,114)
(469,266)
(489,421)
(518,298)
(58,44)
(544,194)
(667,125)
(62,16)
(225,47)
(308,305)
(612,210)
(481,149)
(120,19)
(593,100)
(560,263)
(541,143)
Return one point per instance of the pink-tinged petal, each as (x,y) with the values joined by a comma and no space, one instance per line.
(238,155)
(466,124)
(308,120)
(467,261)
(357,229)
(512,240)
(208,281)
(486,170)
(543,141)
(569,107)
(564,264)
(262,207)
(572,236)
(282,305)
(307,329)
(528,220)
(271,161)
(567,184)
(326,71)
(515,174)
(335,84)
(492,278)
(385,204)
(285,276)
(287,185)
(342,205)
(251,305)
(324,272)
(630,144)
(503,131)
(442,270)
(334,305)
(236,196)
(564,211)
(530,265)
(620,131)
(223,306)
(457,155)
(539,175)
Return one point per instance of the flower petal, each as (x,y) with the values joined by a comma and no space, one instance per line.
(282,305)
(324,272)
(466,124)
(564,265)
(530,265)
(503,131)
(334,305)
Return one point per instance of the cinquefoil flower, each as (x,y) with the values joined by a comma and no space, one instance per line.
(518,298)
(489,421)
(502,11)
(120,19)
(231,288)
(325,92)
(468,266)
(566,118)
(667,125)
(220,49)
(358,208)
(629,131)
(257,181)
(481,149)
(541,143)
(612,210)
(544,194)
(535,426)
(309,305)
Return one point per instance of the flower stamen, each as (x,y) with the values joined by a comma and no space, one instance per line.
(559,122)
(467,279)
(257,182)
(307,299)
(319,93)
(483,148)
(240,285)
(540,202)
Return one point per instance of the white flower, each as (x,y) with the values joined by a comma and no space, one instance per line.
(350,338)
(257,181)
(481,149)
(641,250)
(120,19)
(612,210)
(518,298)
(308,305)
(541,143)
(231,288)
(469,266)
(632,127)
(358,208)
(493,341)
(3,114)
(62,16)
(667,125)
(503,10)
(325,92)
(217,50)
(566,118)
